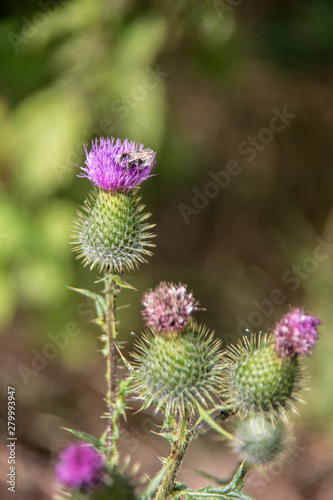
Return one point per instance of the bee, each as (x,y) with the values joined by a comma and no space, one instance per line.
(140,159)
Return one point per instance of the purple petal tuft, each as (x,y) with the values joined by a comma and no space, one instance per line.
(168,307)
(113,165)
(296,334)
(80,466)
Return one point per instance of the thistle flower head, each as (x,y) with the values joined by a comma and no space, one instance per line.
(296,334)
(113,165)
(80,466)
(168,307)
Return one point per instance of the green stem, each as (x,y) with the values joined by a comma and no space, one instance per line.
(174,460)
(182,439)
(112,429)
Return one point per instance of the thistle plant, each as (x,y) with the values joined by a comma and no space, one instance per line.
(177,367)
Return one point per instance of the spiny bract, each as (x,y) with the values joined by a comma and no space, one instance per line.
(178,372)
(257,380)
(111,231)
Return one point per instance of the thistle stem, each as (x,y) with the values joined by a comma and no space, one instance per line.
(174,460)
(112,429)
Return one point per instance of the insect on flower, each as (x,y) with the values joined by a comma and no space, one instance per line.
(139,159)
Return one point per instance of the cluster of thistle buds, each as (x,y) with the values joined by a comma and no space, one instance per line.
(263,381)
(178,367)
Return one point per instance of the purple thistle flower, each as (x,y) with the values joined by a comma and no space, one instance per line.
(80,466)
(113,165)
(168,307)
(296,334)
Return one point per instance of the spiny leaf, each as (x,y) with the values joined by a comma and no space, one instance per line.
(124,390)
(209,420)
(210,495)
(120,282)
(100,302)
(151,489)
(229,491)
(126,363)
(237,480)
(125,386)
(97,443)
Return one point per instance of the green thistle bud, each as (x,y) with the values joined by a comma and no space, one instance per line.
(261,440)
(176,372)
(111,232)
(257,380)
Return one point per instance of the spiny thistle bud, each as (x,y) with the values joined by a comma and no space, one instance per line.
(257,380)
(80,466)
(168,308)
(296,334)
(176,372)
(261,440)
(111,231)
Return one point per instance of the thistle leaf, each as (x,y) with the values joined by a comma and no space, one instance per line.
(97,443)
(152,487)
(100,302)
(121,283)
(124,390)
(210,493)
(230,491)
(204,415)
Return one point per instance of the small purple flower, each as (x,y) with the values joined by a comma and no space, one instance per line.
(80,466)
(113,165)
(296,334)
(168,307)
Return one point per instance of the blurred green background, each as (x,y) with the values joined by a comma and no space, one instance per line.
(199,82)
